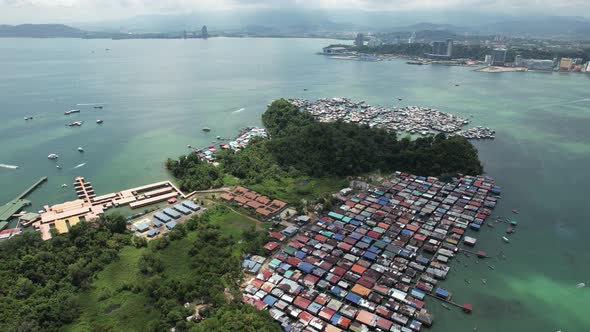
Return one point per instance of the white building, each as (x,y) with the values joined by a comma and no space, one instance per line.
(488,60)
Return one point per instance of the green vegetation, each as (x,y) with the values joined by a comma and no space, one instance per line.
(306,159)
(146,288)
(41,280)
(242,318)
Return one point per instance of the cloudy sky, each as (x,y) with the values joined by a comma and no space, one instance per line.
(39,11)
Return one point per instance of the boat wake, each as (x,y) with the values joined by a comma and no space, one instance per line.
(8,166)
(90,104)
(78,166)
(239,111)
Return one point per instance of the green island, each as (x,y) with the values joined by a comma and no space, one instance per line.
(99,278)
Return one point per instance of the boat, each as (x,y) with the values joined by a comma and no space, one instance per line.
(206,129)
(98,107)
(218,137)
(71,112)
(99,121)
(445,306)
(505,239)
(484,281)
(75,124)
(53,156)
(467,281)
(510,230)
(27,118)
(491,267)
(490,225)
(188,146)
(456,84)
(419,63)
(64,185)
(57,166)
(80,149)
(581,285)
(515,211)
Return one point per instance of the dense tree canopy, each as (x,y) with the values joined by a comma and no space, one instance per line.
(238,318)
(40,279)
(300,145)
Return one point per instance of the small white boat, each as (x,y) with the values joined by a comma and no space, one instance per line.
(581,285)
(99,121)
(57,166)
(505,239)
(52,156)
(64,185)
(80,149)
(206,129)
(188,146)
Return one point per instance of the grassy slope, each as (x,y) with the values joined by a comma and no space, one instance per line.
(293,190)
(134,312)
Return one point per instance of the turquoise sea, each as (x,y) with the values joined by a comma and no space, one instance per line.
(158,94)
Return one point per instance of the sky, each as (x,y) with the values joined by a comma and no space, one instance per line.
(64,11)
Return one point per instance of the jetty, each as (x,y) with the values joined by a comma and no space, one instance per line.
(8,210)
(467,308)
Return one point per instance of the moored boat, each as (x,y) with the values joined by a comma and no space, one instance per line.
(53,156)
(206,129)
(505,239)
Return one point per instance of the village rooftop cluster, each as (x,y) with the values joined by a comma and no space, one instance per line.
(246,135)
(409,119)
(369,263)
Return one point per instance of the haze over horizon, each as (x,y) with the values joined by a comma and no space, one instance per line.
(81,11)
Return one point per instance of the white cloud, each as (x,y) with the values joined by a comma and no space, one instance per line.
(12,11)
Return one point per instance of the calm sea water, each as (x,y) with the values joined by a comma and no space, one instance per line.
(158,94)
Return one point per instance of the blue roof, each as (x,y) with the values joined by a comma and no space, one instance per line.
(153,232)
(370,256)
(172,213)
(191,205)
(314,308)
(352,297)
(300,254)
(142,227)
(182,209)
(162,217)
(157,223)
(339,237)
(171,224)
(270,300)
(305,267)
(335,319)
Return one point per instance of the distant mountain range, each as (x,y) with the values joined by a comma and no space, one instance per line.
(40,31)
(315,22)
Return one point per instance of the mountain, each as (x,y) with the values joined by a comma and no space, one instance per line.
(545,26)
(41,31)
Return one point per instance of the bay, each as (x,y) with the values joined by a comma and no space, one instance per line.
(158,94)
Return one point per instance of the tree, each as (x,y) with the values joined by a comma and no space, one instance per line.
(115,223)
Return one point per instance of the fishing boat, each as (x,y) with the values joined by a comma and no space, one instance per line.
(71,112)
(218,137)
(75,124)
(505,239)
(53,156)
(515,211)
(27,118)
(206,129)
(80,149)
(581,285)
(64,185)
(99,121)
(57,166)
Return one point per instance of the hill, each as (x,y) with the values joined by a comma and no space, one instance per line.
(41,31)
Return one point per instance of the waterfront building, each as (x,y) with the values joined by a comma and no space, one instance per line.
(359,40)
(535,64)
(449,48)
(588,67)
(488,60)
(499,57)
(412,38)
(204,32)
(441,50)
(565,64)
(518,61)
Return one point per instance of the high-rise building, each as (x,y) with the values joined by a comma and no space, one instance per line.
(449,50)
(412,38)
(204,32)
(518,61)
(375,42)
(439,48)
(498,57)
(359,40)
(488,60)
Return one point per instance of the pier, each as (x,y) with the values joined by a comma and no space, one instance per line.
(467,308)
(8,210)
(480,254)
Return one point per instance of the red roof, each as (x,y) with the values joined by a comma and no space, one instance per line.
(326,313)
(305,317)
(277,236)
(358,269)
(301,302)
(321,238)
(271,246)
(384,324)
